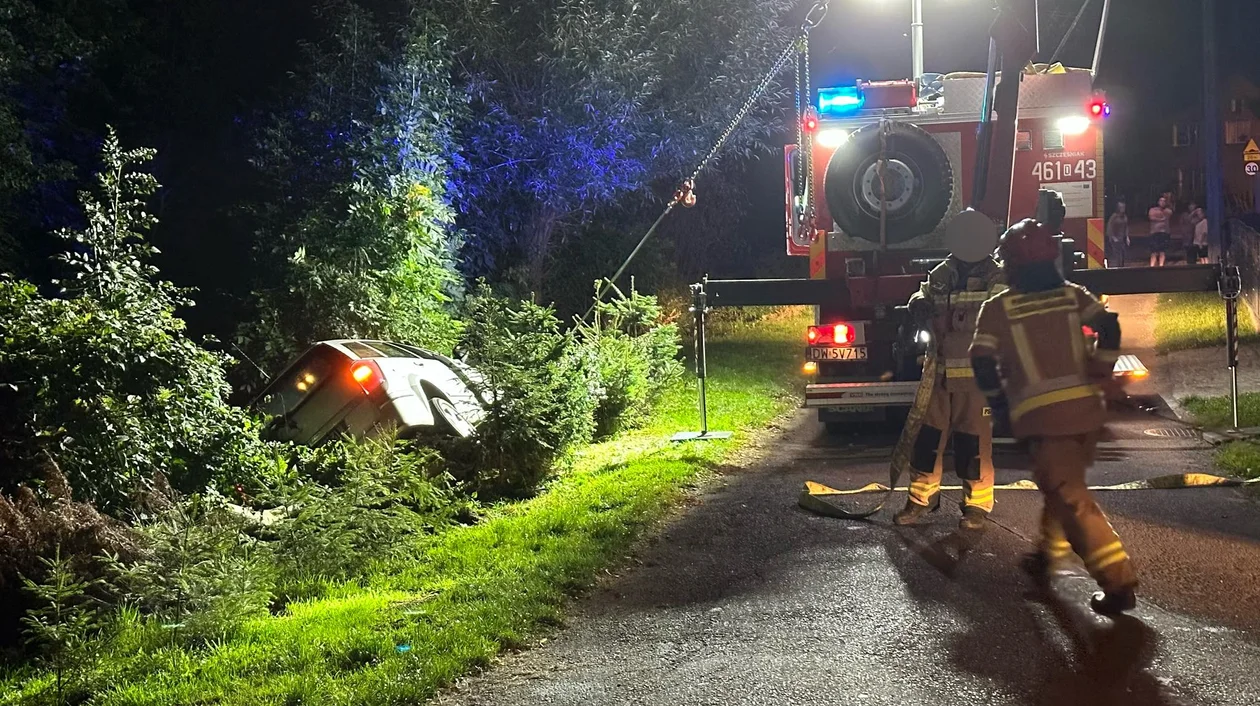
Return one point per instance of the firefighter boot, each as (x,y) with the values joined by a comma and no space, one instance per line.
(913,512)
(972,518)
(1114,602)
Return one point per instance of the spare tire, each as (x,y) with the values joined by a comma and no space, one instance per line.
(918,183)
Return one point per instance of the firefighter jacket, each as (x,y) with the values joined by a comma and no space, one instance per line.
(951,297)
(1049,371)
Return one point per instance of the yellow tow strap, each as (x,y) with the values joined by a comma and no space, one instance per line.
(1169,482)
(817,502)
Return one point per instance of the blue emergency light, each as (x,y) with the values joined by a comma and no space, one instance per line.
(840,100)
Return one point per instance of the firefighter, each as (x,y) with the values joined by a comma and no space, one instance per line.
(946,306)
(1051,391)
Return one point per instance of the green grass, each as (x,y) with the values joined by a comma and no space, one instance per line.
(1196,320)
(1237,458)
(405,631)
(1240,459)
(1216,412)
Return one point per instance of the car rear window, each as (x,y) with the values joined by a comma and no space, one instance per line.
(362,349)
(377,349)
(307,375)
(391,351)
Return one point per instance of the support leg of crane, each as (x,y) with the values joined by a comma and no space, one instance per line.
(1230,288)
(699,309)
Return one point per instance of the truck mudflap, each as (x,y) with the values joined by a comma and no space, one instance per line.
(861,394)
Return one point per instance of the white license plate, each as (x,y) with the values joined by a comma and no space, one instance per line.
(845,353)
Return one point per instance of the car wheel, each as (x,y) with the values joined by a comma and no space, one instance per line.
(448,419)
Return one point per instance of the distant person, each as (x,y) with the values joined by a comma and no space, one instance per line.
(1194,214)
(1198,250)
(1118,236)
(1160,217)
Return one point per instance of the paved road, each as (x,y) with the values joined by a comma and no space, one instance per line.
(746,599)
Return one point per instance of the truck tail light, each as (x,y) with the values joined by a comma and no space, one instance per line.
(830,335)
(368,375)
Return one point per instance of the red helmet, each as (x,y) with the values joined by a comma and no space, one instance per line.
(1027,242)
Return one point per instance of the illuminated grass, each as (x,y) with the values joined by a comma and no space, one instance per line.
(1239,458)
(1196,320)
(406,630)
(1236,458)
(1216,412)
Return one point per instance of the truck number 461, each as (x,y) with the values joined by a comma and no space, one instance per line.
(1083,169)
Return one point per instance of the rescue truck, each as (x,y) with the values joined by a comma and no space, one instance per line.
(879,170)
(889,164)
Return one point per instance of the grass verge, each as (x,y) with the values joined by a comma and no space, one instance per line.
(404,631)
(1196,320)
(1237,458)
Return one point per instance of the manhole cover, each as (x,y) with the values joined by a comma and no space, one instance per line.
(1173,433)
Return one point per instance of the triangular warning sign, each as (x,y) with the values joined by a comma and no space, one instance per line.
(1251,152)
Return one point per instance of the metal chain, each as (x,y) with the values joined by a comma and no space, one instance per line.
(686,190)
(810,215)
(798,167)
(774,71)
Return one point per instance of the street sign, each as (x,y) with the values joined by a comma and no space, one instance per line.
(1251,153)
(1253,168)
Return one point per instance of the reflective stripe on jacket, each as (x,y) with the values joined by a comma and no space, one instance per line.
(956,292)
(1045,359)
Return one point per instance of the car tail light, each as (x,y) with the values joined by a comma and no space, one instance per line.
(830,335)
(367,374)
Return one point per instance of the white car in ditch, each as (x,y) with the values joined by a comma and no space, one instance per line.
(359,388)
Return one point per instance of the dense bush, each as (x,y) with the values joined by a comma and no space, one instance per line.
(352,504)
(636,356)
(539,383)
(104,379)
(198,572)
(42,521)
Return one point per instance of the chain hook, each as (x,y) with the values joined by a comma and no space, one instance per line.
(686,194)
(814,16)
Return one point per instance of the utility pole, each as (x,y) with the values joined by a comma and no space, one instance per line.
(1212,131)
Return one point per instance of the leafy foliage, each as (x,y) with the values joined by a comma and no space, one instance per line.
(355,235)
(637,358)
(105,379)
(581,103)
(42,521)
(539,383)
(353,504)
(63,622)
(199,573)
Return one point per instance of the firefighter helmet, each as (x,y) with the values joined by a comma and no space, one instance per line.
(971,236)
(1028,242)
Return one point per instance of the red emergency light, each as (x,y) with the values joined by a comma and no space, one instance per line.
(811,122)
(830,335)
(1099,109)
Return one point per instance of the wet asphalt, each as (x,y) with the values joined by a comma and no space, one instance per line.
(745,599)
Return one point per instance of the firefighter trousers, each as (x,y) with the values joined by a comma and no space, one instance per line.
(1071,520)
(963,412)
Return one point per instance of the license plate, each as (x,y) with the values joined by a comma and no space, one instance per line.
(844,353)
